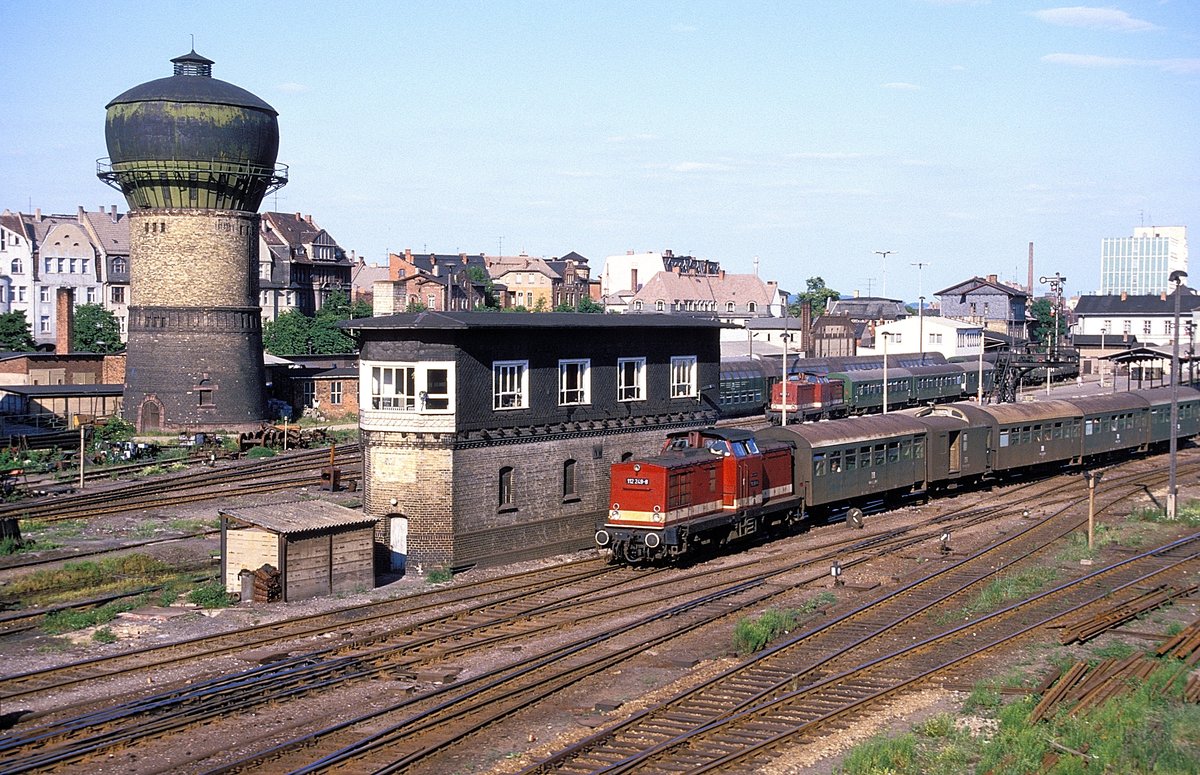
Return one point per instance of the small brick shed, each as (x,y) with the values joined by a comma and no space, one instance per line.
(318,547)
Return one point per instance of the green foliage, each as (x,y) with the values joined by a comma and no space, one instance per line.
(13,546)
(254,453)
(414,307)
(1014,586)
(70,620)
(1045,326)
(288,334)
(982,698)
(15,333)
(211,595)
(881,755)
(480,276)
(1187,514)
(585,305)
(96,330)
(104,635)
(91,576)
(751,635)
(439,575)
(818,295)
(114,429)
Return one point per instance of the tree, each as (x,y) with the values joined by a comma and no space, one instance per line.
(96,330)
(818,296)
(15,334)
(1045,326)
(288,334)
(480,276)
(585,305)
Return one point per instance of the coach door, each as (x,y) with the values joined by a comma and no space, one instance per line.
(954,464)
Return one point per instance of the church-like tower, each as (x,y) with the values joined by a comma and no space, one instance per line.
(194,157)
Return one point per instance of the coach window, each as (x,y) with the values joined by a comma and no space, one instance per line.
(851,459)
(574,382)
(506,498)
(1004,438)
(864,457)
(818,463)
(683,376)
(880,458)
(631,379)
(570,488)
(508,385)
(1088,427)
(919,447)
(893,451)
(835,462)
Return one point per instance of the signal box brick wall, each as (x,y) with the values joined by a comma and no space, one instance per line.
(444,473)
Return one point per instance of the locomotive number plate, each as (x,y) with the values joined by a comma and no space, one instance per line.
(637,481)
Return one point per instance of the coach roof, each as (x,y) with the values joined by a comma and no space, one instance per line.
(476,320)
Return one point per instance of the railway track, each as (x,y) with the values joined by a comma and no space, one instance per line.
(244,478)
(460,709)
(822,675)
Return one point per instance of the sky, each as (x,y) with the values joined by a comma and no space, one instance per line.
(803,135)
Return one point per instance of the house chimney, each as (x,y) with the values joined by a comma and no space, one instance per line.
(1124,296)
(633,286)
(991,278)
(37,214)
(721,274)
(64,320)
(805,322)
(629,252)
(112,213)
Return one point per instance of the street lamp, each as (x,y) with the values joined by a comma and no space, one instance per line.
(979,387)
(886,336)
(885,254)
(1176,277)
(1103,333)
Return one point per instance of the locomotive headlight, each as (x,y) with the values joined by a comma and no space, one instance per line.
(658,517)
(637,467)
(614,514)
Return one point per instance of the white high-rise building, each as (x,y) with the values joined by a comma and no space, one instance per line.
(1142,264)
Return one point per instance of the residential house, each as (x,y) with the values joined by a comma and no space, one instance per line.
(299,265)
(730,298)
(16,264)
(1106,325)
(630,271)
(987,302)
(109,231)
(950,338)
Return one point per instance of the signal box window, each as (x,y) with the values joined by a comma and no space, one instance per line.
(508,385)
(631,379)
(683,376)
(437,389)
(574,382)
(393,388)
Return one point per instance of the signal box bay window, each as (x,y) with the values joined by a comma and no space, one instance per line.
(420,387)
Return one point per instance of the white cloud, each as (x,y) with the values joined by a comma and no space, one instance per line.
(292,88)
(633,138)
(828,155)
(700,166)
(1096,61)
(901,86)
(1107,19)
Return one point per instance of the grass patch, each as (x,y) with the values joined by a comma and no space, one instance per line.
(194,525)
(87,577)
(1145,730)
(1015,586)
(439,575)
(1114,650)
(1187,514)
(104,635)
(63,528)
(144,529)
(255,453)
(1077,545)
(71,620)
(751,635)
(211,595)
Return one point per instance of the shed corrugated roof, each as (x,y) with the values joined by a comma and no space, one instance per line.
(298,516)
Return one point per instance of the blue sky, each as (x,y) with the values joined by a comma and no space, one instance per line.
(809,134)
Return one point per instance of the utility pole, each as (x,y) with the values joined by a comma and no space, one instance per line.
(1177,277)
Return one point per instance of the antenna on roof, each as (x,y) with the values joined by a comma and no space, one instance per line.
(193,37)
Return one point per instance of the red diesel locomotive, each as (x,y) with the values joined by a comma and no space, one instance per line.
(701,479)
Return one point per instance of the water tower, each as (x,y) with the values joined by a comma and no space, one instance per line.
(194,157)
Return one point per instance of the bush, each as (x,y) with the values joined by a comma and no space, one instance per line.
(104,635)
(254,453)
(211,595)
(439,575)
